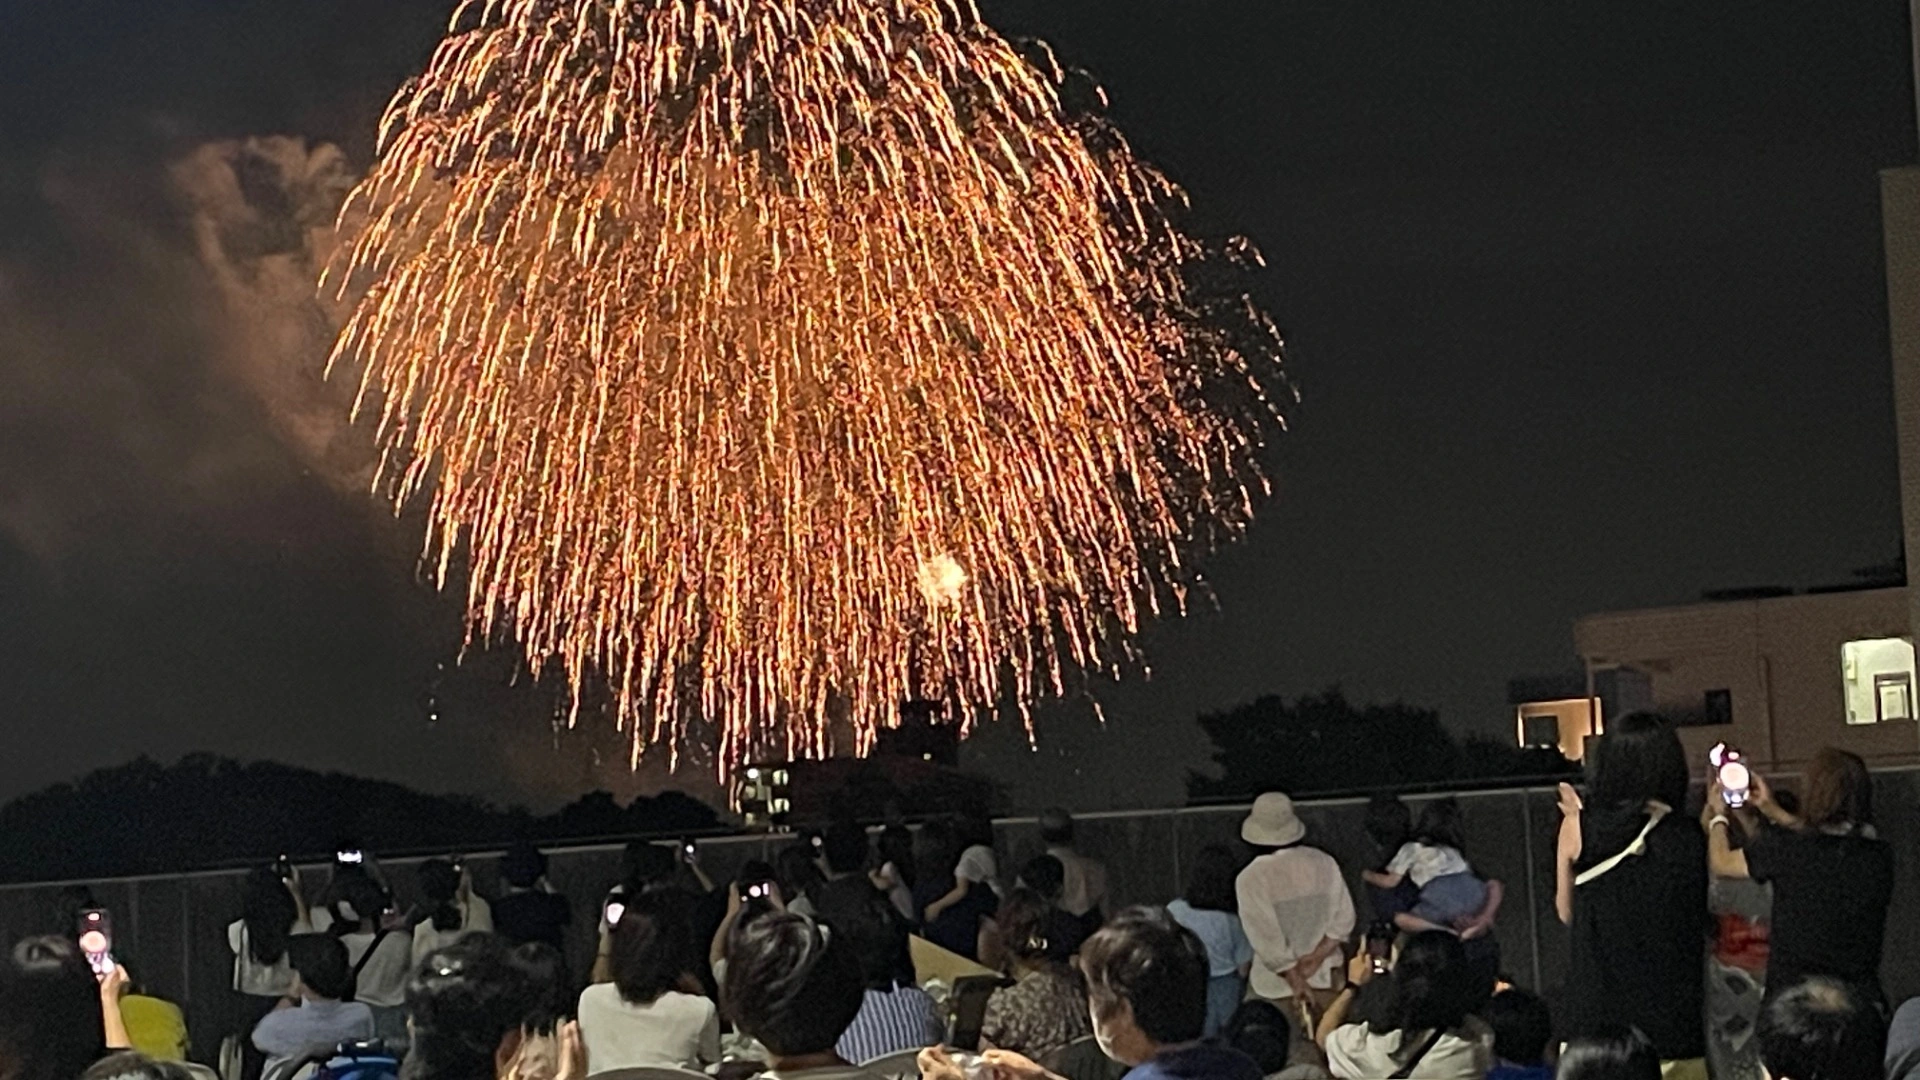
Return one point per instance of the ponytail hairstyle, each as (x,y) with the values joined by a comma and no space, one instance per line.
(1022,920)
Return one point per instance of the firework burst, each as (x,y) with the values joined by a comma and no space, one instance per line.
(775,361)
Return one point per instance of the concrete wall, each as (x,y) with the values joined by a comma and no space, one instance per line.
(1780,659)
(172,929)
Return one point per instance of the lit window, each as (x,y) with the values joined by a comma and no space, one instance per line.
(1878,677)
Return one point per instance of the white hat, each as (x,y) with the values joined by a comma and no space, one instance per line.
(1272,822)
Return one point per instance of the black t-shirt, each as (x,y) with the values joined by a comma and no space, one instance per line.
(846,901)
(1639,933)
(1830,899)
(533,916)
(958,927)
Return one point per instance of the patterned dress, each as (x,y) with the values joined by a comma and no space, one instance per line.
(1042,1012)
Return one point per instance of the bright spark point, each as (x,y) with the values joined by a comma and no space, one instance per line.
(703,320)
(941,580)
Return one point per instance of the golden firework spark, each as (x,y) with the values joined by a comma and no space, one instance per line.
(779,360)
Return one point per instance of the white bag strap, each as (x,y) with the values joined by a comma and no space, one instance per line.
(1655,811)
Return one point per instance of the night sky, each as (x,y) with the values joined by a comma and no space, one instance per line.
(1584,301)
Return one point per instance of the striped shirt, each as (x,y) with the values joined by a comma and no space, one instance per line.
(890,1021)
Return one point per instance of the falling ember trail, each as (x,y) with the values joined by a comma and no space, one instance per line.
(775,361)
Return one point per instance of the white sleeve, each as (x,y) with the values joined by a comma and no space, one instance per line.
(479,914)
(236,935)
(1404,858)
(710,1035)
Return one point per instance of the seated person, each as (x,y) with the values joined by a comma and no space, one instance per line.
(795,989)
(1822,1028)
(472,1008)
(1046,1007)
(896,1014)
(1425,1024)
(645,1018)
(1260,1030)
(1147,991)
(317,1016)
(1047,876)
(1522,1031)
(53,1017)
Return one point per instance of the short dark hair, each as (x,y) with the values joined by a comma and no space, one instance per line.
(1637,759)
(463,999)
(1822,1029)
(1260,1030)
(1211,881)
(845,845)
(1152,963)
(50,1022)
(1439,824)
(1045,875)
(879,938)
(1434,987)
(645,864)
(321,962)
(791,985)
(523,865)
(799,875)
(649,948)
(1389,823)
(1610,1053)
(1839,790)
(548,994)
(1056,826)
(1522,1026)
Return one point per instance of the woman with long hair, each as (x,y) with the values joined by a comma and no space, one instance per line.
(1631,883)
(1832,875)
(271,912)
(1423,1027)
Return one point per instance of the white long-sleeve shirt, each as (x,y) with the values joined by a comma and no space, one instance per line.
(1291,901)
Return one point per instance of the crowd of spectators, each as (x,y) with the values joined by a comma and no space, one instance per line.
(806,968)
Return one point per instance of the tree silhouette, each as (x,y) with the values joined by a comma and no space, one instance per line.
(1322,743)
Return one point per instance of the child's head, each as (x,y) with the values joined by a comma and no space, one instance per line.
(1522,1027)
(1439,824)
(1388,823)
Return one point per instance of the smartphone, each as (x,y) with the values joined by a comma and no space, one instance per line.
(350,857)
(1736,780)
(688,851)
(616,907)
(1380,947)
(96,940)
(283,868)
(756,890)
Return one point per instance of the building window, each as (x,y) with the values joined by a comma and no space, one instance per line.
(1878,677)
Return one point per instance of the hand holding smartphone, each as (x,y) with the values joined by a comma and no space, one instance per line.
(96,940)
(1730,770)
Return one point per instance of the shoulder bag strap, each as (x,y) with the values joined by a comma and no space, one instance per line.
(1426,1047)
(1655,812)
(372,947)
